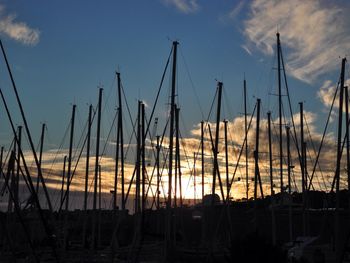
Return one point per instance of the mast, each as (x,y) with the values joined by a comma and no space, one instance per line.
(339,153)
(158,175)
(280,108)
(40,153)
(346,89)
(202,156)
(246,136)
(87,157)
(256,154)
(29,138)
(216,145)
(63,177)
(226,162)
(290,218)
(70,155)
(172,118)
(121,138)
(194,178)
(171,144)
(143,165)
(16,199)
(138,161)
(178,160)
(270,151)
(97,153)
(302,147)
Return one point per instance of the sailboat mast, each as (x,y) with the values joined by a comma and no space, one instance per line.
(226,162)
(138,161)
(346,89)
(63,177)
(158,175)
(121,139)
(143,163)
(256,152)
(87,157)
(270,151)
(202,155)
(70,155)
(339,153)
(97,153)
(246,143)
(280,108)
(16,192)
(216,145)
(172,119)
(40,153)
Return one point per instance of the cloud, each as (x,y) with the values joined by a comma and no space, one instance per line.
(184,6)
(315,33)
(18,31)
(327,91)
(234,12)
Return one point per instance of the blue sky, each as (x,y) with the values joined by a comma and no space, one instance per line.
(61,51)
(74,46)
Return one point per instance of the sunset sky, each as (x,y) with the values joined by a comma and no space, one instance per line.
(62,51)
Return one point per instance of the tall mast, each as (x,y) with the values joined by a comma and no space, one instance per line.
(339,153)
(202,156)
(288,159)
(143,169)
(63,177)
(97,153)
(226,162)
(178,160)
(18,164)
(172,118)
(87,158)
(303,175)
(121,138)
(40,153)
(346,89)
(168,228)
(216,145)
(158,175)
(280,108)
(302,147)
(290,217)
(70,155)
(138,161)
(194,179)
(246,143)
(256,154)
(270,151)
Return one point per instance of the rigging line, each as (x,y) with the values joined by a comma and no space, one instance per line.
(324,134)
(290,107)
(192,84)
(232,141)
(76,164)
(4,164)
(129,143)
(127,107)
(318,180)
(159,89)
(314,152)
(241,151)
(107,139)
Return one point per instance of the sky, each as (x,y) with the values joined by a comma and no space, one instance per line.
(61,52)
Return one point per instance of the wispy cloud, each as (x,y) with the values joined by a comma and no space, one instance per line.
(183,6)
(316,33)
(233,14)
(16,30)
